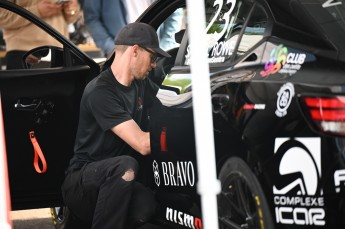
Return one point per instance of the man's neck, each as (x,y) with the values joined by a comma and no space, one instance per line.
(122,74)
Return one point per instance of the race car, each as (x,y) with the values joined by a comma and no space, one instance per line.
(278,102)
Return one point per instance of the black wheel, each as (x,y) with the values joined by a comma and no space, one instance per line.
(59,216)
(241,203)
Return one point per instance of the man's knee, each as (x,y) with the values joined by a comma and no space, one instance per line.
(129,175)
(130,166)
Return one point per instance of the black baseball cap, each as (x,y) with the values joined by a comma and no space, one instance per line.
(138,33)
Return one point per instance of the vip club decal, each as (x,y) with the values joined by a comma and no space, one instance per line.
(285,94)
(183,219)
(283,61)
(179,173)
(298,199)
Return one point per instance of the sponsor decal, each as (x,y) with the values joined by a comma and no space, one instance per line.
(222,49)
(183,219)
(283,61)
(219,50)
(156,173)
(297,197)
(339,179)
(179,173)
(330,3)
(285,94)
(254,106)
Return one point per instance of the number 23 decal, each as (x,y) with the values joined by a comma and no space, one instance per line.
(216,36)
(330,3)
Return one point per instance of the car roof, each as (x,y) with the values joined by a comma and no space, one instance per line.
(321,18)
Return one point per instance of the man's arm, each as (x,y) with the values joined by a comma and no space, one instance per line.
(131,133)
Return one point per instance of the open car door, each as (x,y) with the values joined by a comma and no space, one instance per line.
(41,104)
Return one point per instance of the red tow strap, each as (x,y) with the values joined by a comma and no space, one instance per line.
(163,140)
(38,154)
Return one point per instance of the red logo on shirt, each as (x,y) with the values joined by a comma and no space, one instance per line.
(140,103)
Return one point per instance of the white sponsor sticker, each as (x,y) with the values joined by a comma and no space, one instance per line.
(299,201)
(179,173)
(285,95)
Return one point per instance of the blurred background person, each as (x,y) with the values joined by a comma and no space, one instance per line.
(166,32)
(134,8)
(21,35)
(103,20)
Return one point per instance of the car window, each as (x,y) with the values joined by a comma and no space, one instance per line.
(232,27)
(254,31)
(16,50)
(224,21)
(51,55)
(170,32)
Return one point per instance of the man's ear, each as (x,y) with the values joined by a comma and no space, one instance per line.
(135,49)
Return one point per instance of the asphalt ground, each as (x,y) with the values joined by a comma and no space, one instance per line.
(40,219)
(32,219)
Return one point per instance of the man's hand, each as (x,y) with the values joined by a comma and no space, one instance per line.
(48,8)
(71,7)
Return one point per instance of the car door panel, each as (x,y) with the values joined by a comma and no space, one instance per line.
(43,98)
(48,104)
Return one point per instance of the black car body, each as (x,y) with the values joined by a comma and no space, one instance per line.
(277,80)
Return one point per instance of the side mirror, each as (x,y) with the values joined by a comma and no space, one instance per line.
(43,57)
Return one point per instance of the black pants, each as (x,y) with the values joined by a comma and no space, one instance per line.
(98,197)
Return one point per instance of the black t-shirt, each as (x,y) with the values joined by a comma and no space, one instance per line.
(105,104)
